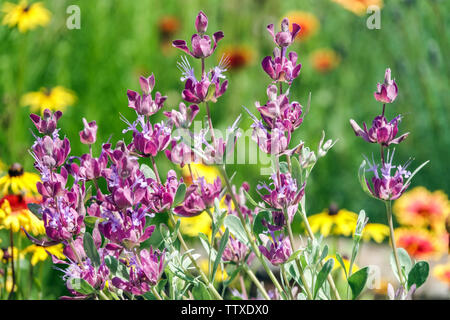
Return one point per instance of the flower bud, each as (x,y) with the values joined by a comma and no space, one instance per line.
(201,22)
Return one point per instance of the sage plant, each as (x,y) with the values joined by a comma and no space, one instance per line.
(389,180)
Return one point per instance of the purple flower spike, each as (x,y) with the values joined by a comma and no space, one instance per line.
(89,134)
(386,92)
(201,22)
(147,84)
(47,124)
(278,252)
(284,38)
(382,132)
(201,44)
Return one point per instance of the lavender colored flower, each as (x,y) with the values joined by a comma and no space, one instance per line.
(387,91)
(50,152)
(209,88)
(382,131)
(149,140)
(193,203)
(47,124)
(161,196)
(91,168)
(241,199)
(126,227)
(201,44)
(278,250)
(180,153)
(283,193)
(184,117)
(279,108)
(89,134)
(280,68)
(235,251)
(145,105)
(387,186)
(145,272)
(284,38)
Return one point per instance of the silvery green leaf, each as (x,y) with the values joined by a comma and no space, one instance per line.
(236,228)
(147,171)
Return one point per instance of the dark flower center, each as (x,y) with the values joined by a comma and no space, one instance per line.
(333,209)
(15,170)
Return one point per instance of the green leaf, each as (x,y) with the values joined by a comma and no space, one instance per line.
(222,245)
(91,250)
(323,274)
(341,262)
(112,264)
(284,168)
(236,228)
(36,209)
(258,227)
(296,171)
(148,172)
(362,178)
(200,292)
(250,199)
(418,274)
(179,196)
(405,262)
(81,286)
(294,255)
(357,281)
(91,220)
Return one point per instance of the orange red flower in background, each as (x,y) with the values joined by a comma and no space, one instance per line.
(422,208)
(421,243)
(238,56)
(442,272)
(324,60)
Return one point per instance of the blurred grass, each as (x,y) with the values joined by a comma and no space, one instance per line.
(120,40)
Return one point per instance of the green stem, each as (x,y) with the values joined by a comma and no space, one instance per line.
(311,235)
(156,294)
(392,238)
(249,236)
(297,260)
(256,281)
(199,270)
(288,287)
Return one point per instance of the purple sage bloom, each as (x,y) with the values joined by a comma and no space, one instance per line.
(145,105)
(284,38)
(277,251)
(199,196)
(280,68)
(236,252)
(382,132)
(47,124)
(89,134)
(387,91)
(201,44)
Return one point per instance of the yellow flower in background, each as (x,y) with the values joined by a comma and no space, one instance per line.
(25,16)
(333,221)
(13,218)
(221,274)
(442,272)
(422,208)
(200,170)
(359,7)
(307,21)
(324,60)
(192,226)
(421,243)
(3,168)
(17,181)
(40,253)
(57,98)
(376,232)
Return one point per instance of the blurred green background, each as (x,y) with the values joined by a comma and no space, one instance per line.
(121,40)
